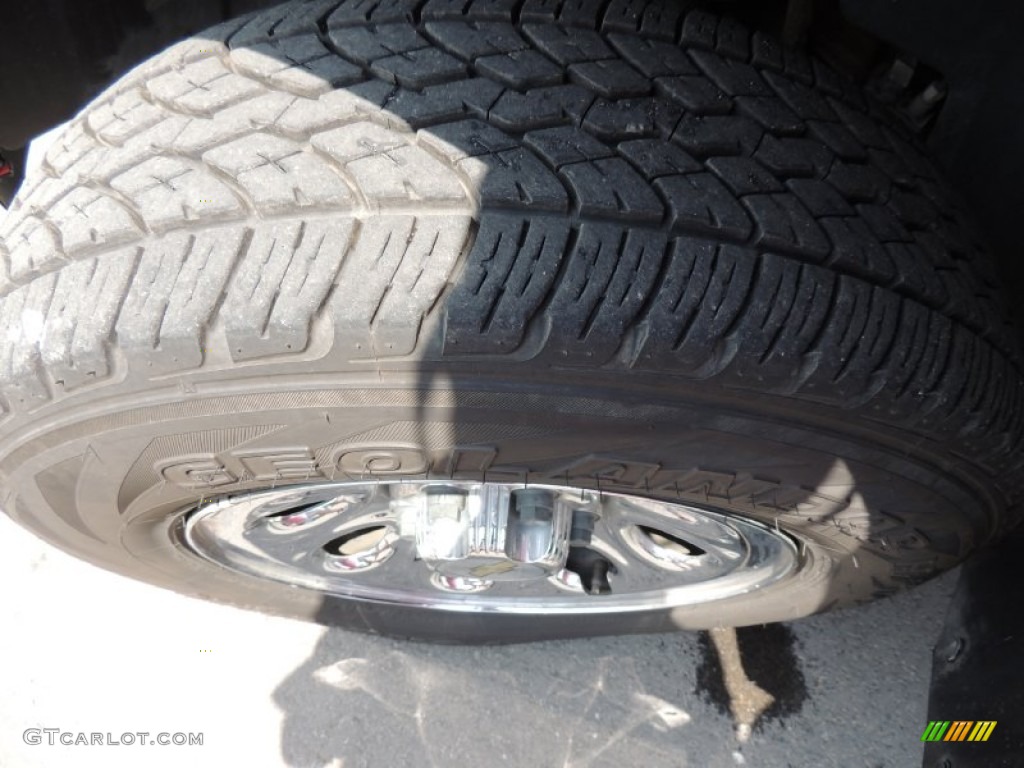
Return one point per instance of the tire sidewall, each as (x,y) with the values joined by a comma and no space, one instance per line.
(112,486)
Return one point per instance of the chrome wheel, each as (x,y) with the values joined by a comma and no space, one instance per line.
(489,546)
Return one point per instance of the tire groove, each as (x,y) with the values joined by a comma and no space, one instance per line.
(874,360)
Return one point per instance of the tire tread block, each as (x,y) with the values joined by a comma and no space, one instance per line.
(654,187)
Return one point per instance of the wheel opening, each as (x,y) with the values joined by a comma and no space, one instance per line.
(357,541)
(670,542)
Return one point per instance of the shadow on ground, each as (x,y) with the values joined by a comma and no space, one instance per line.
(609,701)
(851,690)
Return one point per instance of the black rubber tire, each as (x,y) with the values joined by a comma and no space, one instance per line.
(578,242)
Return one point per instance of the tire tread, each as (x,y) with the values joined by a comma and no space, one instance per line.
(663,190)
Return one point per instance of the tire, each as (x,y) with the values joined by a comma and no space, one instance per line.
(605,246)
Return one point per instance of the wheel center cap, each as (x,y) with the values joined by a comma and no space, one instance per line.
(493,533)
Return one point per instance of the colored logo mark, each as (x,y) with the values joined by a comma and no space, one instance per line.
(958,730)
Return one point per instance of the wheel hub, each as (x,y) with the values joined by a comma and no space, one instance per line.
(493,533)
(488,546)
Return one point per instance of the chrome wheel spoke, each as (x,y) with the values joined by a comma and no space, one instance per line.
(312,525)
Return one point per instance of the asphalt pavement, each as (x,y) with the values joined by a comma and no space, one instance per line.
(86,652)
